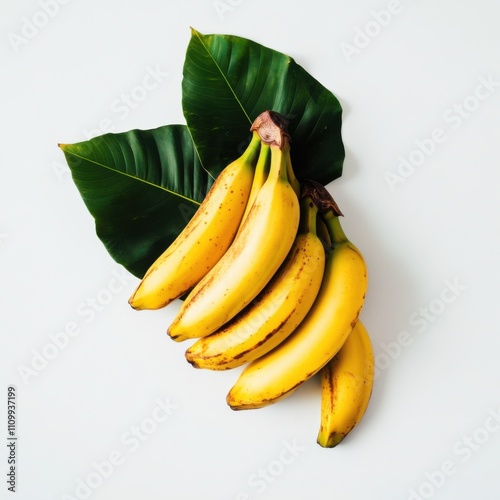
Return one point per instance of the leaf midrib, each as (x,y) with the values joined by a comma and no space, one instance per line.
(219,69)
(120,172)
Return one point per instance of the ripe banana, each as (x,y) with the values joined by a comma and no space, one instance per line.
(323,331)
(257,252)
(276,311)
(205,238)
(346,387)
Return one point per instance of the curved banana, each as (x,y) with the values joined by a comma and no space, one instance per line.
(260,248)
(276,311)
(346,387)
(205,238)
(319,336)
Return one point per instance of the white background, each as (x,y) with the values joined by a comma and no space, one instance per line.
(431,242)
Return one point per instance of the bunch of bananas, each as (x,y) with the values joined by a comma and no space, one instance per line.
(270,281)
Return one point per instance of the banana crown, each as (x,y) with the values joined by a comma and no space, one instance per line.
(328,210)
(272,128)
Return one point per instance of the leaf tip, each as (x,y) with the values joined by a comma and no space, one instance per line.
(194,32)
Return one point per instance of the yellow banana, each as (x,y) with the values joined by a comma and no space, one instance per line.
(257,252)
(346,387)
(276,311)
(205,238)
(323,331)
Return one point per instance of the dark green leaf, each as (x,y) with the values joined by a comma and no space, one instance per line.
(141,187)
(228,81)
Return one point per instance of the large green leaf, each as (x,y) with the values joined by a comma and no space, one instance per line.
(141,187)
(228,81)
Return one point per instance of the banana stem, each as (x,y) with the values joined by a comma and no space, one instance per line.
(278,163)
(259,178)
(308,215)
(262,168)
(252,151)
(323,234)
(334,227)
(291,174)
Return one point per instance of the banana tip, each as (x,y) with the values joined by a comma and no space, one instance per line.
(133,303)
(330,441)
